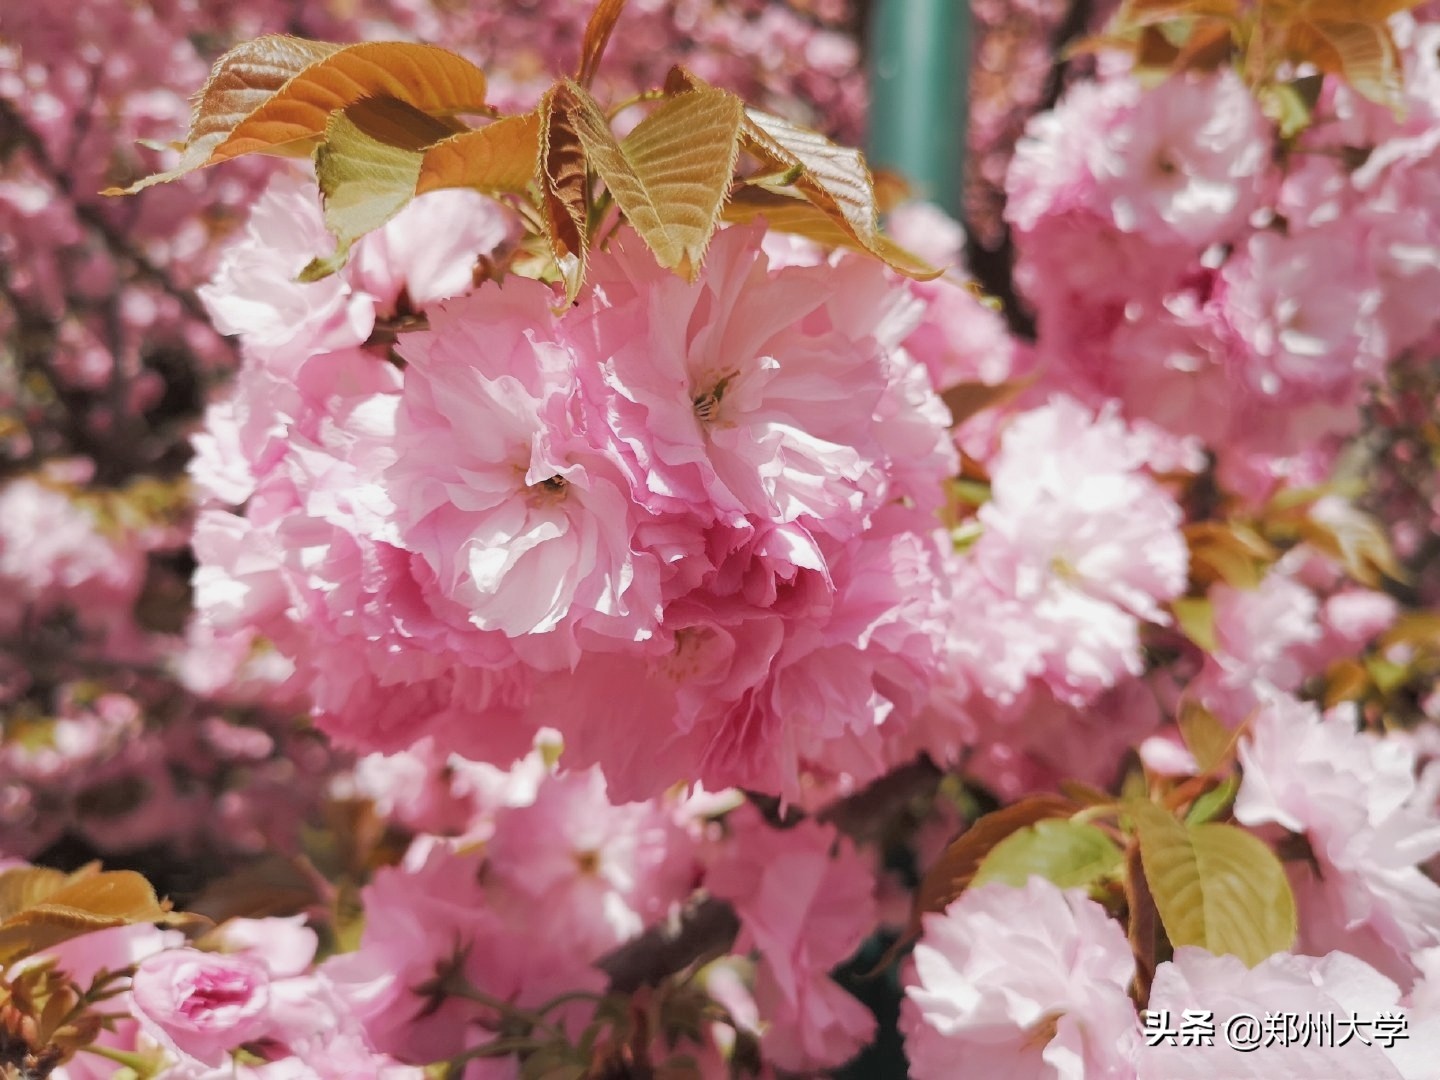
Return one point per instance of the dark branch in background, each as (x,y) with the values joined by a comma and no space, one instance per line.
(866,814)
(1071,29)
(14,129)
(705,929)
(35,337)
(96,423)
(993,266)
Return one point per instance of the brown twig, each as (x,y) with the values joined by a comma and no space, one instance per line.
(706,928)
(118,244)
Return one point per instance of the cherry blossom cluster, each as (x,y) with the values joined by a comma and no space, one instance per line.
(1222,284)
(688,525)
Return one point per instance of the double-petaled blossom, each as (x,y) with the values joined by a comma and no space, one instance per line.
(1353,797)
(806,907)
(202,1005)
(694,491)
(1083,540)
(1025,982)
(1335,1001)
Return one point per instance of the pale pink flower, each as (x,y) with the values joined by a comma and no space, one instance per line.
(1301,309)
(255,292)
(1186,161)
(1083,540)
(424,254)
(596,873)
(805,910)
(748,392)
(818,1023)
(1026,983)
(811,668)
(1050,173)
(1352,795)
(927,231)
(286,946)
(1261,637)
(1330,989)
(201,1005)
(431,917)
(53,553)
(522,514)
(1034,743)
(1405,237)
(959,339)
(429,250)
(419,923)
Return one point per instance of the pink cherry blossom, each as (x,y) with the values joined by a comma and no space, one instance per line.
(1351,795)
(805,911)
(1083,540)
(1040,996)
(1187,162)
(1303,334)
(596,873)
(526,521)
(201,1005)
(747,393)
(1335,987)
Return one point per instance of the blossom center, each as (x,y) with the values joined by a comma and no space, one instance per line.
(214,991)
(588,862)
(707,403)
(551,490)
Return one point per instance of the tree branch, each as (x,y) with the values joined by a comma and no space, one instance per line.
(993,268)
(706,929)
(119,245)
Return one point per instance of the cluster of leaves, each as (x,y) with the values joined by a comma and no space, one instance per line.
(382,121)
(1160,855)
(1277,45)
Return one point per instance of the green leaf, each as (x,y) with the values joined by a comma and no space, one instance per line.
(671,174)
(1361,52)
(1230,552)
(799,163)
(833,177)
(968,399)
(1214,802)
(954,871)
(1149,12)
(956,868)
(1215,886)
(1209,741)
(503,156)
(1069,853)
(1387,675)
(1195,615)
(242,80)
(276,95)
(1287,107)
(25,886)
(367,167)
(1357,540)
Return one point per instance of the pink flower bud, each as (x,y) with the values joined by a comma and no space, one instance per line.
(201,1005)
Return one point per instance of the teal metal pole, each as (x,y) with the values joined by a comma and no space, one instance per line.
(919,88)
